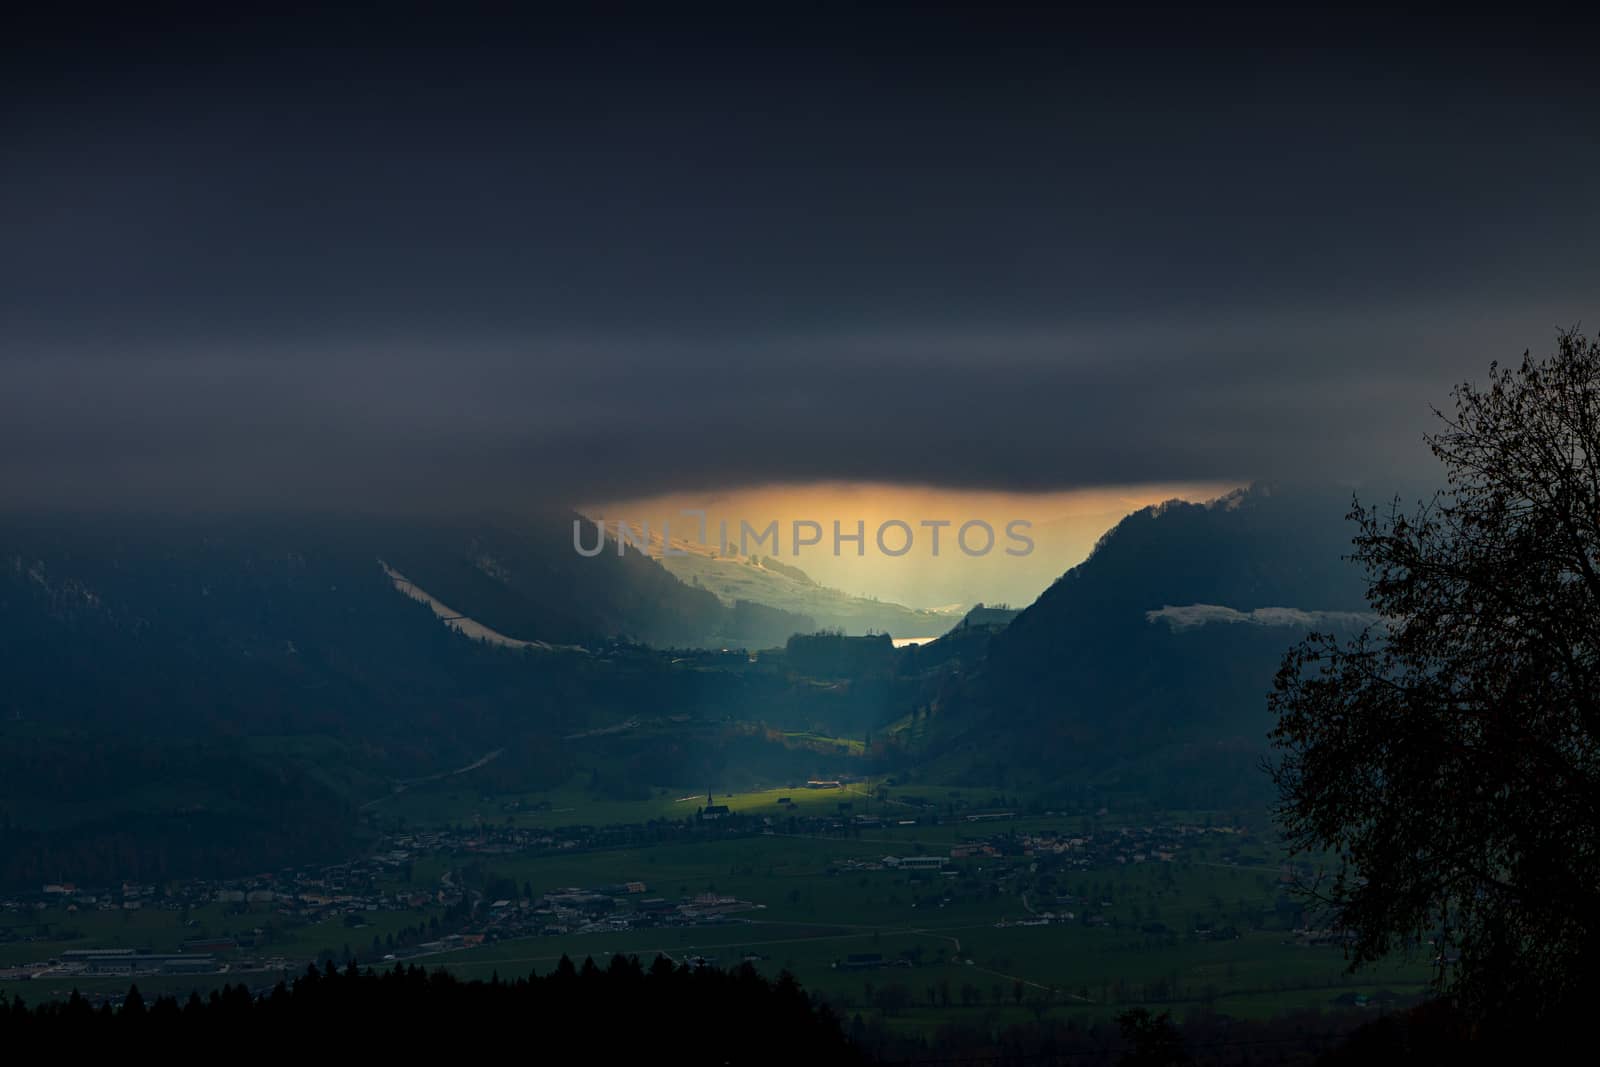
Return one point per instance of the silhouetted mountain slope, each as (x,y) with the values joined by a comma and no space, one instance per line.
(518,576)
(208,694)
(965,642)
(166,629)
(223,694)
(761,579)
(522,577)
(1095,683)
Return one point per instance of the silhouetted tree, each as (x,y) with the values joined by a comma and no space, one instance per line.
(1449,757)
(1154,1041)
(727,1017)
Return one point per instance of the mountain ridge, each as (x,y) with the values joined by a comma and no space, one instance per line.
(1094,685)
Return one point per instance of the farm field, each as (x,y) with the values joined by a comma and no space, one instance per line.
(1015,932)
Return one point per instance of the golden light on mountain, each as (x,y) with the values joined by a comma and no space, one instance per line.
(1062,526)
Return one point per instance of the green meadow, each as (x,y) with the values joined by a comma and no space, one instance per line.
(1203,933)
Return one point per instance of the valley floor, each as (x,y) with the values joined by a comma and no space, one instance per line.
(916,906)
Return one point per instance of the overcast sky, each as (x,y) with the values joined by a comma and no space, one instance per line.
(457,262)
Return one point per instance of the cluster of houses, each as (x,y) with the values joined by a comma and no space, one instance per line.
(1124,845)
(605,909)
(350,892)
(1079,851)
(1001,854)
(457,916)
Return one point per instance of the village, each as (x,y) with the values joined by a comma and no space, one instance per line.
(381,916)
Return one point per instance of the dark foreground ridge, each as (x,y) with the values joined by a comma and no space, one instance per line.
(603,1014)
(625,1011)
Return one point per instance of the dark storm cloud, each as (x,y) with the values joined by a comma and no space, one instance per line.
(336,264)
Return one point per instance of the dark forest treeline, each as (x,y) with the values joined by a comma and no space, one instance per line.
(625,1010)
(1432,1032)
(596,1014)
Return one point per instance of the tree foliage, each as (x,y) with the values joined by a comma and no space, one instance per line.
(1447,758)
(617,1013)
